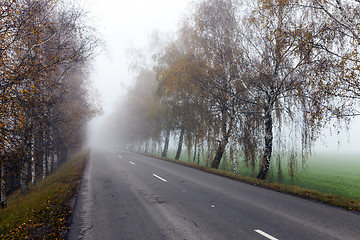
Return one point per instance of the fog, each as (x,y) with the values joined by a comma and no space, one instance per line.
(126,25)
(346,141)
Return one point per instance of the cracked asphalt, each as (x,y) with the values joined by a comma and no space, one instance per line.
(125,195)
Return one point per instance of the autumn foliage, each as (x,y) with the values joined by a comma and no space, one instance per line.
(257,79)
(45,48)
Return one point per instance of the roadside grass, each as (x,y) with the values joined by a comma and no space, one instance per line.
(331,179)
(44,212)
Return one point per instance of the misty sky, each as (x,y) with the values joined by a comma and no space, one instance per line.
(125,25)
(129,24)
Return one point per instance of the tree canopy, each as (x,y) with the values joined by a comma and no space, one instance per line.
(45,51)
(251,78)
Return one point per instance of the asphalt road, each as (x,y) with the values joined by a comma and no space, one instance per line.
(126,195)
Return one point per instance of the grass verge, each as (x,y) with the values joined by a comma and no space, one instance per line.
(347,203)
(44,212)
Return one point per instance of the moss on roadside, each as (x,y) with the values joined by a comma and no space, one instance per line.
(44,212)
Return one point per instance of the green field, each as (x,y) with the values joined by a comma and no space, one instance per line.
(327,173)
(336,174)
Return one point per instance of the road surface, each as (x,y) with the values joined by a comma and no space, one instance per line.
(125,195)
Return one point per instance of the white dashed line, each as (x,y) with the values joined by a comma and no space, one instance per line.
(159,178)
(119,156)
(132,162)
(265,235)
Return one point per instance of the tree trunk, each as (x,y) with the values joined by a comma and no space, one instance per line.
(198,156)
(44,155)
(33,163)
(233,158)
(181,139)
(24,171)
(219,153)
(226,131)
(24,176)
(222,145)
(159,149)
(44,163)
(268,146)
(153,147)
(3,186)
(166,145)
(209,151)
(50,160)
(56,159)
(195,147)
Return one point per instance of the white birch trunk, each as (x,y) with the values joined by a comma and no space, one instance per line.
(50,160)
(33,164)
(233,155)
(44,163)
(234,160)
(44,156)
(3,186)
(154,147)
(56,161)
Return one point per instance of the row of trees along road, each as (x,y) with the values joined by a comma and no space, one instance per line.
(45,49)
(247,78)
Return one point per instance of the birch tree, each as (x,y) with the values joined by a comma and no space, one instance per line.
(41,43)
(212,32)
(278,43)
(275,71)
(341,20)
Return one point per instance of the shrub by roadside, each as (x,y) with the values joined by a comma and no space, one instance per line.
(44,212)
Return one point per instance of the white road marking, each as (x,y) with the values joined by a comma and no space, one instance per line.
(265,235)
(132,162)
(119,156)
(212,206)
(159,178)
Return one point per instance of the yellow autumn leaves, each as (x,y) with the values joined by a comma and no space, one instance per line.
(45,49)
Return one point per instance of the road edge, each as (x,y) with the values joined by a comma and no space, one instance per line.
(329,199)
(73,201)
